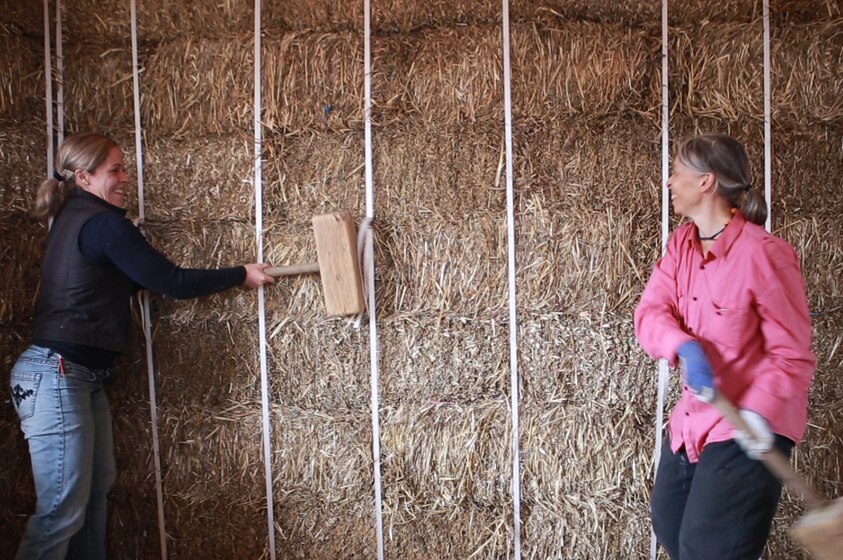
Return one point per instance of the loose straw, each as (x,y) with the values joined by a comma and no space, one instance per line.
(145,315)
(48,79)
(513,319)
(267,448)
(768,135)
(663,370)
(370,270)
(59,74)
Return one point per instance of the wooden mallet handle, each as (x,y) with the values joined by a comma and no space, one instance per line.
(292,270)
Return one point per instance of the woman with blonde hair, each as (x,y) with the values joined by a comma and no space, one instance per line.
(95,260)
(727,303)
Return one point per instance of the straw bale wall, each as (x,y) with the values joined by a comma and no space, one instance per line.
(586,97)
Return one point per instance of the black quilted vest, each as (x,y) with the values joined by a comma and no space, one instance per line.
(80,301)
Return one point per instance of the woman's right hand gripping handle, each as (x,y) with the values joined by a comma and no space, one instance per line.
(255,275)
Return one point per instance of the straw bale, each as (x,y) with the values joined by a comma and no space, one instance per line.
(442,75)
(213,474)
(16,486)
(447,359)
(322,469)
(645,13)
(806,161)
(583,68)
(133,520)
(199,86)
(586,471)
(312,81)
(203,177)
(23,159)
(309,527)
(98,87)
(717,72)
(446,478)
(23,17)
(321,365)
(201,244)
(21,74)
(583,358)
(311,174)
(206,363)
(820,457)
(587,215)
(157,20)
(422,265)
(807,65)
(21,244)
(439,173)
(820,246)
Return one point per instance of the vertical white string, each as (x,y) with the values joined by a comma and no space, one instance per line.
(48,79)
(59,73)
(768,135)
(513,318)
(369,263)
(665,202)
(145,315)
(267,426)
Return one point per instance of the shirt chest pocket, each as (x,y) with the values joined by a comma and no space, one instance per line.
(732,326)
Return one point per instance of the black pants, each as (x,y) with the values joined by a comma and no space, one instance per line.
(720,508)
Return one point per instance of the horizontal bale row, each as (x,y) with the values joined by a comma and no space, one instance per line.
(717,71)
(312,81)
(321,469)
(157,21)
(205,178)
(583,358)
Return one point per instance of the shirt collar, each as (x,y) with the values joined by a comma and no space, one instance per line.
(76,192)
(725,240)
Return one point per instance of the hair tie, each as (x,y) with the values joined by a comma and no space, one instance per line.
(58,176)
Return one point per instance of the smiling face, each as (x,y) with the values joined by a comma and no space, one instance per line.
(686,188)
(108,181)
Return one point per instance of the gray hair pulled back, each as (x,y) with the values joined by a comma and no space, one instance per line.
(726,159)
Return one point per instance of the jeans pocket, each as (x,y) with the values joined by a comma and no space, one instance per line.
(25,391)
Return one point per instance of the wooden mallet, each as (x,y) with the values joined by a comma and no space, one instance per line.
(820,530)
(338,266)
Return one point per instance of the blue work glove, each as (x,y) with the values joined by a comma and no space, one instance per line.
(697,370)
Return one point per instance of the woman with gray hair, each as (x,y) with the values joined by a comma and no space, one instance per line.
(727,304)
(95,260)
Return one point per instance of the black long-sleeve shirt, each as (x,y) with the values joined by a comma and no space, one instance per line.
(111,238)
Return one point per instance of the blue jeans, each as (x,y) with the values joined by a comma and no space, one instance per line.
(65,418)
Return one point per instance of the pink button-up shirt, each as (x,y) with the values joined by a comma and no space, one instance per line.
(745,304)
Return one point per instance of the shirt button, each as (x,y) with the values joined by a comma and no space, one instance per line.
(702,267)
(695,298)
